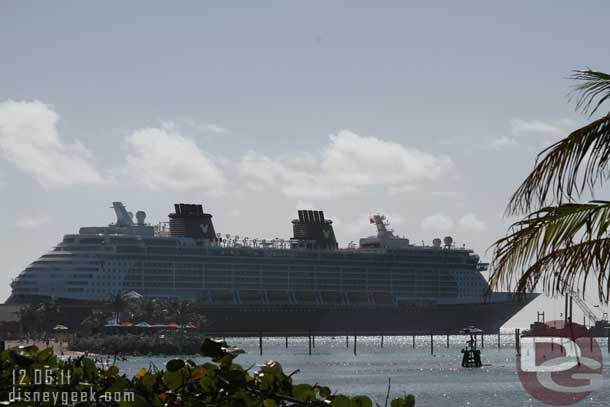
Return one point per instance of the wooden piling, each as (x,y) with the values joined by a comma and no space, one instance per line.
(413,341)
(381,341)
(355,345)
(447,341)
(518,341)
(482,340)
(346,342)
(260,343)
(432,344)
(309,341)
(499,345)
(286,341)
(313,341)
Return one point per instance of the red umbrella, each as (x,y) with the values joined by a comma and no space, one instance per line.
(126,324)
(172,325)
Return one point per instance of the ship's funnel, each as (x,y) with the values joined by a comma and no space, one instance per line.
(189,220)
(311,230)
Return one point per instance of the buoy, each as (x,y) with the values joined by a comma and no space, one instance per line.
(471,355)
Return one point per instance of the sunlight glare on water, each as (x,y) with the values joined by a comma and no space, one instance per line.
(436,380)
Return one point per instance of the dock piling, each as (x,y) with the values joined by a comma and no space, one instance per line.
(447,341)
(482,340)
(432,344)
(381,341)
(309,341)
(346,342)
(286,341)
(413,341)
(355,345)
(260,343)
(518,341)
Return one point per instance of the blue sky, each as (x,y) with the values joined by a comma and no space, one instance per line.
(432,113)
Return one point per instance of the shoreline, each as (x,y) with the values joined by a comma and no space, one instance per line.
(60,347)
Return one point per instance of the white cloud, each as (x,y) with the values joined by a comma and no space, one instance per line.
(212,128)
(470,222)
(437,223)
(32,221)
(348,164)
(523,127)
(536,132)
(29,140)
(503,142)
(160,158)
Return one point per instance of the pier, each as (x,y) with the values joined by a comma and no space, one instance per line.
(433,341)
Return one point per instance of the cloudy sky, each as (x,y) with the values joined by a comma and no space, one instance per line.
(431,113)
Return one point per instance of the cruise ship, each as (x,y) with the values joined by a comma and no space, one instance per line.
(306,283)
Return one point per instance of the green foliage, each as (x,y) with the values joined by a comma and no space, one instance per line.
(220,382)
(154,310)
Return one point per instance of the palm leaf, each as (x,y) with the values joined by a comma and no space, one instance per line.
(565,169)
(559,175)
(567,269)
(594,85)
(541,234)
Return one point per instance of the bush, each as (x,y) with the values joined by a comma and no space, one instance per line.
(220,382)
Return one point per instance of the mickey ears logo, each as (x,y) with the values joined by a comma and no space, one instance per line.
(204,228)
(560,363)
(326,233)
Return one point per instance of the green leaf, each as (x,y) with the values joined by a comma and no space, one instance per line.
(173,380)
(410,400)
(174,365)
(340,401)
(44,354)
(89,368)
(303,392)
(361,401)
(398,402)
(112,371)
(212,348)
(325,392)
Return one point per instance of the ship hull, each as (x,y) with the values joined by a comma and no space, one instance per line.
(330,320)
(251,320)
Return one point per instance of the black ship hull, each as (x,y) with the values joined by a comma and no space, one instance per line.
(253,320)
(247,320)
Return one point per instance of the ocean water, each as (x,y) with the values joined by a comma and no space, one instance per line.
(436,380)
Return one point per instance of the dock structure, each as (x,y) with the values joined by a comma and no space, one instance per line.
(471,358)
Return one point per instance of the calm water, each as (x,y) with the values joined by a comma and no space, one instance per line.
(435,381)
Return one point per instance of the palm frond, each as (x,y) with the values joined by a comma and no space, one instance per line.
(592,92)
(565,169)
(568,270)
(550,230)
